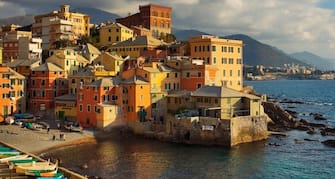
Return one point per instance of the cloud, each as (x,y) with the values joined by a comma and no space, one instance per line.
(291,25)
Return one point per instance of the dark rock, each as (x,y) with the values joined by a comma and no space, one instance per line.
(311,124)
(330,143)
(311,132)
(311,140)
(291,101)
(318,116)
(293,113)
(327,131)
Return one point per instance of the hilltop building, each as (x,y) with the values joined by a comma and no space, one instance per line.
(113,33)
(156,18)
(58,25)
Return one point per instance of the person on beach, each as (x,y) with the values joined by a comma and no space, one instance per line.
(54,137)
(58,126)
(48,130)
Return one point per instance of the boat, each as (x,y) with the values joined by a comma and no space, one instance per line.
(26,160)
(14,152)
(73,128)
(36,166)
(48,174)
(4,148)
(16,157)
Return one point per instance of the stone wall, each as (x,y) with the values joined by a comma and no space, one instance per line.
(248,129)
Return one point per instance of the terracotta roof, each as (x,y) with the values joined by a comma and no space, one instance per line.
(47,67)
(220,92)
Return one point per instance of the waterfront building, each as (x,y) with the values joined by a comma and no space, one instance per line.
(136,99)
(12,88)
(23,66)
(163,79)
(47,81)
(223,60)
(114,33)
(135,46)
(1,55)
(156,18)
(216,115)
(68,59)
(61,24)
(104,93)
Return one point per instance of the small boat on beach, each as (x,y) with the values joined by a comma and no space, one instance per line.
(36,166)
(26,160)
(16,157)
(48,174)
(13,152)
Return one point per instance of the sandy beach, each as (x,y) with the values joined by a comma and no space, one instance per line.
(40,141)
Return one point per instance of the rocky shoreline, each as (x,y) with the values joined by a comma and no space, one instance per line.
(285,120)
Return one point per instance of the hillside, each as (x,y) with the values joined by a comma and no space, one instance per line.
(257,53)
(97,15)
(314,60)
(20,20)
(185,34)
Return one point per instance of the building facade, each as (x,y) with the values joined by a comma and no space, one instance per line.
(12,99)
(114,33)
(223,60)
(156,18)
(47,82)
(61,24)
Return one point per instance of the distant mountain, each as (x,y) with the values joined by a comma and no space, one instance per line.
(257,53)
(185,34)
(97,15)
(19,20)
(314,60)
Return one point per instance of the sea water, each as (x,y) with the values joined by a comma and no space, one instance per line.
(292,157)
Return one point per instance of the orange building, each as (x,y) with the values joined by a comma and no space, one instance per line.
(136,99)
(156,18)
(46,82)
(93,96)
(12,87)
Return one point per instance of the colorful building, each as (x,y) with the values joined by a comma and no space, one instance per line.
(114,33)
(140,31)
(105,91)
(222,59)
(68,59)
(154,17)
(136,99)
(61,24)
(1,55)
(108,64)
(89,51)
(134,46)
(12,88)
(47,81)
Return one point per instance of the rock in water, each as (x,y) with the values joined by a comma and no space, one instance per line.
(330,143)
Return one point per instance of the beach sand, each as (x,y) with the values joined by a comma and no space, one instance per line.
(37,142)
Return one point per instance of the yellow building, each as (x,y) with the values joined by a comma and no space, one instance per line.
(66,107)
(223,59)
(108,64)
(68,59)
(60,25)
(114,33)
(135,46)
(162,79)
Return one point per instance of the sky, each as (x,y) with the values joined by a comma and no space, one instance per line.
(289,25)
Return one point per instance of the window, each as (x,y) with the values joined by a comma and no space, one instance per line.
(214,60)
(33,82)
(73,80)
(88,108)
(213,48)
(231,72)
(81,97)
(224,72)
(109,38)
(81,108)
(95,98)
(188,74)
(167,75)
(238,73)
(43,82)
(117,38)
(239,50)
(114,97)
(224,60)
(231,61)
(195,49)
(199,85)
(199,74)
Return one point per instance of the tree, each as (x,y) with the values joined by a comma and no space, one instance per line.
(61,43)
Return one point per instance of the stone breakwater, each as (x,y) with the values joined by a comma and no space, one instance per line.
(283,120)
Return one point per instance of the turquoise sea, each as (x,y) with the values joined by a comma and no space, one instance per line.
(133,157)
